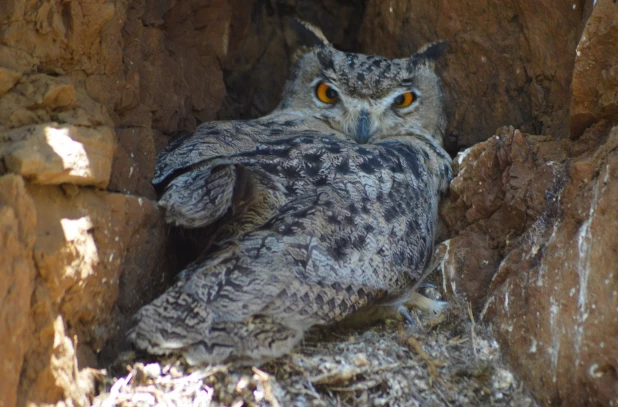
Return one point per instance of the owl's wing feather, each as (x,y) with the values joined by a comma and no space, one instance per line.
(268,275)
(356,223)
(199,197)
(224,139)
(199,175)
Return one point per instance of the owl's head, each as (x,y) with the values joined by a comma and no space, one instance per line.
(368,98)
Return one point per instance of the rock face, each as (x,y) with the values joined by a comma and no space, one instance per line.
(595,80)
(17,237)
(90,91)
(533,246)
(508,63)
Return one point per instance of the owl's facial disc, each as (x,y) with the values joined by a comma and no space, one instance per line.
(363,118)
(357,119)
(367,98)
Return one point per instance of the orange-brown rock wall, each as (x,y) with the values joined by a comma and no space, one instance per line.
(539,262)
(508,63)
(87,89)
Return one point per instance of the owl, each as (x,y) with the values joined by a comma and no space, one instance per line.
(325,206)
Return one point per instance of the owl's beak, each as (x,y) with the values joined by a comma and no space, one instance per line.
(362,127)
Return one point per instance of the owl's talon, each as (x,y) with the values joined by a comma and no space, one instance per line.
(414,326)
(406,314)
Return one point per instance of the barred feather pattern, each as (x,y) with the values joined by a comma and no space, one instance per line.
(350,223)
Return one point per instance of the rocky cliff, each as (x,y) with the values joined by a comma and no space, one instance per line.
(91,90)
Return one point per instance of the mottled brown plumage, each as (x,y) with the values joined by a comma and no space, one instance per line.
(317,209)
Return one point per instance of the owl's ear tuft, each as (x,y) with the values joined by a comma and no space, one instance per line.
(431,51)
(309,35)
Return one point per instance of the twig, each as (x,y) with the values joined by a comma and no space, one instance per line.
(472,334)
(432,365)
(264,378)
(366,385)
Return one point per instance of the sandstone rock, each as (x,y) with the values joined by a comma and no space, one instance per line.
(261,45)
(8,78)
(134,163)
(41,98)
(69,73)
(85,241)
(595,78)
(200,54)
(533,230)
(58,35)
(17,235)
(533,222)
(499,192)
(468,264)
(15,60)
(64,253)
(564,342)
(507,63)
(55,154)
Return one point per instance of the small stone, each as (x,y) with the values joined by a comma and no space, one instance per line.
(54,154)
(152,370)
(360,360)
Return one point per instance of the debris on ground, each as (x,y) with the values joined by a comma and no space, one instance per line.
(447,361)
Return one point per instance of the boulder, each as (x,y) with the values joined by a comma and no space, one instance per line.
(554,297)
(538,262)
(66,251)
(54,154)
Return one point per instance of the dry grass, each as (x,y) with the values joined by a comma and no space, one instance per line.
(449,361)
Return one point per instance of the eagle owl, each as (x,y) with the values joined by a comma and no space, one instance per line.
(322,207)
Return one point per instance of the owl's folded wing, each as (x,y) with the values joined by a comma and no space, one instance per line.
(204,194)
(200,177)
(224,139)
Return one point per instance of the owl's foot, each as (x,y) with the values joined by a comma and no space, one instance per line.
(426,304)
(405,313)
(414,325)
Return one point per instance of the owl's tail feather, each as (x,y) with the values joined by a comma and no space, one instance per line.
(200,319)
(255,340)
(199,197)
(170,323)
(161,330)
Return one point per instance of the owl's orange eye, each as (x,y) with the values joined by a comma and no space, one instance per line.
(326,94)
(404,100)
